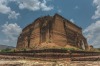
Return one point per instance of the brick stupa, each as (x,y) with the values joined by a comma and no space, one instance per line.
(52,32)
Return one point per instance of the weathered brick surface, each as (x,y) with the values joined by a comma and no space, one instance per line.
(51,32)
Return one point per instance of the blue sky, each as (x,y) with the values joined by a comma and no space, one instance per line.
(16,14)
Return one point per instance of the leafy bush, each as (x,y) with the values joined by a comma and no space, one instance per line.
(23,49)
(6,50)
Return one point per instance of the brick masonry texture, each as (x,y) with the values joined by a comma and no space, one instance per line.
(52,32)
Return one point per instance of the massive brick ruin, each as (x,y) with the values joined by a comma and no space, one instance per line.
(52,32)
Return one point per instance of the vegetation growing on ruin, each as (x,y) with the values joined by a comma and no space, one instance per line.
(6,50)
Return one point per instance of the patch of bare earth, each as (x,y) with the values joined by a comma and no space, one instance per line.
(47,63)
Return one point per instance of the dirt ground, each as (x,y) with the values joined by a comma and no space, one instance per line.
(47,63)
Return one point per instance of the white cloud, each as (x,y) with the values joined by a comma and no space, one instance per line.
(76,7)
(13,14)
(34,5)
(11,32)
(44,7)
(72,20)
(4,9)
(97,11)
(92,33)
(59,10)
